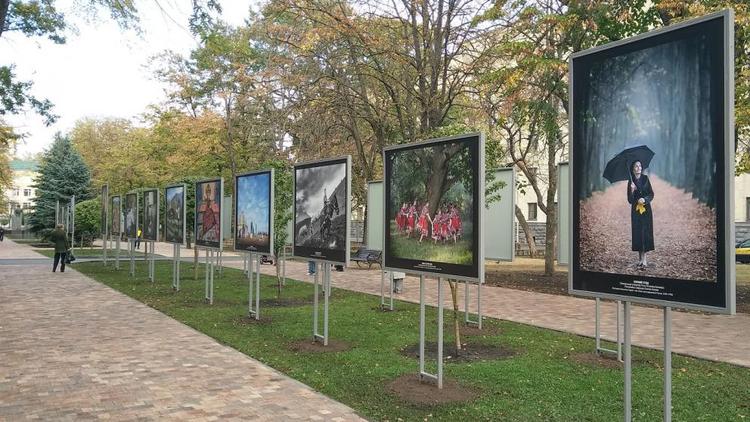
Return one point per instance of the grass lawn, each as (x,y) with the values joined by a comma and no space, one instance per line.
(458,253)
(90,253)
(541,382)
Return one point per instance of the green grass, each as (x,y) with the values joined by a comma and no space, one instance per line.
(448,252)
(90,253)
(539,383)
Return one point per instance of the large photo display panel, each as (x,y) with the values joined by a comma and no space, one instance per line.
(433,194)
(116,215)
(174,214)
(130,210)
(150,214)
(208,213)
(321,210)
(253,212)
(652,167)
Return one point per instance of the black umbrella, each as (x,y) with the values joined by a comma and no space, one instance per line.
(618,168)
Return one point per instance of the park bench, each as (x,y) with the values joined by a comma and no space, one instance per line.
(368,256)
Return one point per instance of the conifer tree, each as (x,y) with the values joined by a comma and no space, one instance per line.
(62,174)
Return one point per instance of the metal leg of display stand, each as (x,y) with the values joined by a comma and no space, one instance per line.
(117,253)
(132,257)
(467,319)
(597,331)
(253,284)
(628,367)
(667,364)
(325,274)
(423,375)
(383,275)
(210,256)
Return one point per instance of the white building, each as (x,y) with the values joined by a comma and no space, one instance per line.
(21,195)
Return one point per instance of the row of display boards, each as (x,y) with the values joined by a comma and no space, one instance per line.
(651,117)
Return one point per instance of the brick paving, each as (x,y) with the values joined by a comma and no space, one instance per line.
(722,338)
(74,349)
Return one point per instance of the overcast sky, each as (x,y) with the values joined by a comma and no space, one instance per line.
(102,71)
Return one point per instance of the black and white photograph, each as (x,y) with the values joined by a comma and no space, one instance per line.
(649,179)
(321,200)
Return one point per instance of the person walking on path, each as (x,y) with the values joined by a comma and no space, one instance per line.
(59,238)
(138,236)
(2,234)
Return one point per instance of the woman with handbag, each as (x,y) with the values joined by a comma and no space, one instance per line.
(59,238)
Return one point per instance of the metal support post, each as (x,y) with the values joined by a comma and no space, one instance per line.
(117,252)
(153,261)
(667,364)
(597,330)
(283,268)
(467,292)
(421,328)
(315,301)
(253,284)
(205,284)
(440,334)
(105,241)
(327,281)
(131,242)
(628,366)
(383,275)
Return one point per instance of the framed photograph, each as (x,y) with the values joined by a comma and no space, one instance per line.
(208,213)
(652,167)
(322,192)
(130,211)
(174,214)
(434,206)
(151,214)
(253,212)
(104,211)
(116,219)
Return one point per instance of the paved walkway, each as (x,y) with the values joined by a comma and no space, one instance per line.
(74,349)
(714,337)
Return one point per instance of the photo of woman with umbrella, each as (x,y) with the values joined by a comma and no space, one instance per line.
(640,193)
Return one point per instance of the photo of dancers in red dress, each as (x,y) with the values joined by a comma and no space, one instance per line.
(444,226)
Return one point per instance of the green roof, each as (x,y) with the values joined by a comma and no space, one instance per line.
(19,165)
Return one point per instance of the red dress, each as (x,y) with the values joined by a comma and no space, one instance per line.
(423,223)
(410,220)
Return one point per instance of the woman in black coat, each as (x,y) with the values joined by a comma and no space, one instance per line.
(640,195)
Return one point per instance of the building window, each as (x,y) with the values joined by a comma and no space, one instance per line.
(532,211)
(27,192)
(15,192)
(27,204)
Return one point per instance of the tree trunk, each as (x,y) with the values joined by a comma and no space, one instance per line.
(435,186)
(526,232)
(4,5)
(195,262)
(456,326)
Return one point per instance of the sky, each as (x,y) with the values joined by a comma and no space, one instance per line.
(102,71)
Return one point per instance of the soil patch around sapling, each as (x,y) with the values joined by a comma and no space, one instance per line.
(309,346)
(471,352)
(604,360)
(410,389)
(286,302)
(245,320)
(474,331)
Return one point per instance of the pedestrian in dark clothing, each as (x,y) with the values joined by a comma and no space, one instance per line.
(59,238)
(2,234)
